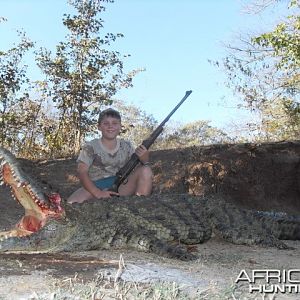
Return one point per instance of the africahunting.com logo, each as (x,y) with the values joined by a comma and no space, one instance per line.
(270,281)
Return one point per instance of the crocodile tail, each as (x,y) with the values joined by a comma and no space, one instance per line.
(284,226)
(289,228)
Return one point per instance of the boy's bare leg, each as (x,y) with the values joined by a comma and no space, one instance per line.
(139,183)
(80,196)
(144,181)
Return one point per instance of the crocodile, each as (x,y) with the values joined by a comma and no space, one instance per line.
(161,223)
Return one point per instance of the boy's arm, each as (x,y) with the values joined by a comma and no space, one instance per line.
(143,154)
(87,183)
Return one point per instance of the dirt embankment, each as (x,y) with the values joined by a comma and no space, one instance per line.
(258,176)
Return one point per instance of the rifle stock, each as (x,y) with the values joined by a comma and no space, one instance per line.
(130,165)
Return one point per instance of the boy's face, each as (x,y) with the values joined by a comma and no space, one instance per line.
(110,127)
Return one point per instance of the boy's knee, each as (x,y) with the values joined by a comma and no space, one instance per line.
(79,196)
(146,172)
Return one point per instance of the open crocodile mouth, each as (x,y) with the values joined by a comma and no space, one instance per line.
(38,205)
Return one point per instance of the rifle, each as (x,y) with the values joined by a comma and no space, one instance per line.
(124,172)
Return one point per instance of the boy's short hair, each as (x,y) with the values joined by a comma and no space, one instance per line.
(109,112)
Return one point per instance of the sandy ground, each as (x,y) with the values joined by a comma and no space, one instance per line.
(34,276)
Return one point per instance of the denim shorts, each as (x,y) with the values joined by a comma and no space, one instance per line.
(105,183)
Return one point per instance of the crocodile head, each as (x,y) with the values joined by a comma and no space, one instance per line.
(39,204)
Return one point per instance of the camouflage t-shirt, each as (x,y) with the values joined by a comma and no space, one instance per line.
(103,162)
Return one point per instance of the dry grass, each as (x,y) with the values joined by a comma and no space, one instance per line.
(107,288)
(110,285)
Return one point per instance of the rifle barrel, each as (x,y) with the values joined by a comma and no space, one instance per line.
(187,93)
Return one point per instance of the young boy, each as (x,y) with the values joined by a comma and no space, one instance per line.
(100,159)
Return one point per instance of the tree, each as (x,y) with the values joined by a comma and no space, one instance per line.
(264,69)
(12,79)
(274,120)
(84,74)
(192,134)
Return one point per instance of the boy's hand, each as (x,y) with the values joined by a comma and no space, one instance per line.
(104,194)
(143,153)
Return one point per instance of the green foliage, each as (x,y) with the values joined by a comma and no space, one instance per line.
(264,71)
(294,3)
(192,134)
(283,43)
(281,120)
(12,78)
(83,75)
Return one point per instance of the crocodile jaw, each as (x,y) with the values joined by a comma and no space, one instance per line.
(38,207)
(22,192)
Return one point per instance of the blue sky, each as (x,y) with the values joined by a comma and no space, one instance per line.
(173,40)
